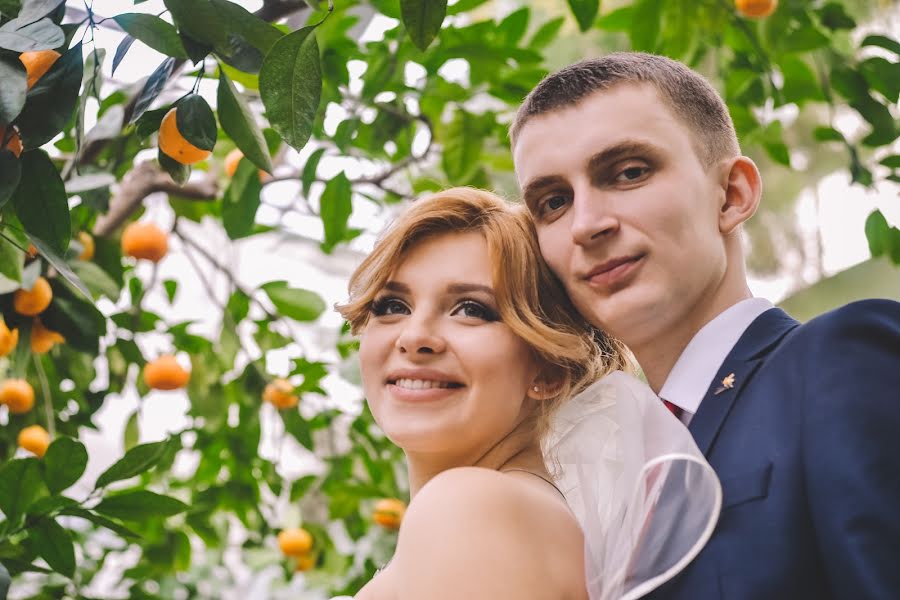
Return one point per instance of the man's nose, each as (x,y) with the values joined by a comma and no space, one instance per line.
(593,216)
(420,336)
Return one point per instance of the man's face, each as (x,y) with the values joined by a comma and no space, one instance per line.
(626,213)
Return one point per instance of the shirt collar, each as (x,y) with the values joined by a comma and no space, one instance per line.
(689,379)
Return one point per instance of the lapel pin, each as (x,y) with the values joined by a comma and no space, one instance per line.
(727,384)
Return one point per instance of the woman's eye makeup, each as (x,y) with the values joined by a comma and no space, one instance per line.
(388,305)
(476,310)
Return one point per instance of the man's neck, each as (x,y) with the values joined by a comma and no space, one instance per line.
(658,354)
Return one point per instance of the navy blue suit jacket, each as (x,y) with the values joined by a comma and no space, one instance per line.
(807,446)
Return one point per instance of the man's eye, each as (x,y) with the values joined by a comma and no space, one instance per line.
(553,203)
(633,173)
(388,306)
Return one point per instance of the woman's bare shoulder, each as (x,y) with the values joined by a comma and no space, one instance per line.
(483,534)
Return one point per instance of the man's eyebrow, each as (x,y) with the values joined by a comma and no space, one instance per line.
(534,188)
(623,149)
(463,288)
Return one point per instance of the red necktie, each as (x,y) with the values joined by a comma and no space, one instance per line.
(675,410)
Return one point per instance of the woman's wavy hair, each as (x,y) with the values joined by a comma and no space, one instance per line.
(530,299)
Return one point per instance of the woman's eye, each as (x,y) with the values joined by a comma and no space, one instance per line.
(474,310)
(388,306)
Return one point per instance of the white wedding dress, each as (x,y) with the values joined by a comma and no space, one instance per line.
(640,488)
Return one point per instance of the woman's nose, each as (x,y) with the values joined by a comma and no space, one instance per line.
(419,336)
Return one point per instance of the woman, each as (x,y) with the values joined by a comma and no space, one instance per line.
(468,345)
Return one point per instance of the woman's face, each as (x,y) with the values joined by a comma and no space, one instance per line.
(441,372)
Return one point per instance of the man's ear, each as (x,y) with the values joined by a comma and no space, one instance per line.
(743,190)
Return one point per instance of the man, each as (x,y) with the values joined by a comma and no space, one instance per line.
(631,169)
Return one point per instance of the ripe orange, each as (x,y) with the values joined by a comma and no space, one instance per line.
(280,392)
(305,562)
(37,63)
(233,159)
(756,9)
(34,301)
(174,145)
(32,251)
(18,395)
(43,339)
(145,240)
(14,144)
(295,541)
(35,439)
(8,339)
(87,243)
(165,373)
(389,512)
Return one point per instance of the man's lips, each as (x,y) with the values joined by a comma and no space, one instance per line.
(612,264)
(615,273)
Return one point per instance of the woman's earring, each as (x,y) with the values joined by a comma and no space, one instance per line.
(536,388)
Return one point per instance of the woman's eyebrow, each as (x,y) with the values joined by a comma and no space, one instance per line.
(463,288)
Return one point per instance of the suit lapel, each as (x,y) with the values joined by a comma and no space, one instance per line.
(736,371)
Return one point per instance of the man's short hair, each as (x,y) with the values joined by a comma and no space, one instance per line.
(691,97)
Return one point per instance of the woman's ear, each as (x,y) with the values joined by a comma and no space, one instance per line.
(743,190)
(540,389)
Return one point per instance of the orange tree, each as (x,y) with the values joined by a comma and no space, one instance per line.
(75,316)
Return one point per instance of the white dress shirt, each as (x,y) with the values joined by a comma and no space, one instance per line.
(693,373)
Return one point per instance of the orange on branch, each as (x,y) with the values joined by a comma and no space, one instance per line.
(756,9)
(233,159)
(35,439)
(174,145)
(305,562)
(14,143)
(8,339)
(18,395)
(87,244)
(43,339)
(389,512)
(165,373)
(280,392)
(34,301)
(295,541)
(37,63)
(145,240)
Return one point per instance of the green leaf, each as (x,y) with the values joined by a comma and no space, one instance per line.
(239,123)
(422,19)
(64,463)
(121,51)
(196,122)
(243,23)
(891,162)
(296,303)
(11,259)
(52,100)
(462,148)
(50,504)
(136,461)
(35,9)
(61,266)
(98,281)
(800,83)
(171,287)
(585,12)
(544,36)
(152,87)
(882,41)
(309,170)
(40,201)
(10,174)
(154,32)
(335,208)
(290,84)
(241,201)
(199,20)
(78,320)
(827,134)
(22,35)
(645,24)
(877,233)
(14,88)
(177,171)
(132,431)
(139,504)
(102,521)
(54,544)
(20,485)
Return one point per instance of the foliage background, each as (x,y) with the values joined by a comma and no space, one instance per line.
(354,110)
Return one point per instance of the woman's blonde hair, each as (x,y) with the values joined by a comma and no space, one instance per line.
(530,299)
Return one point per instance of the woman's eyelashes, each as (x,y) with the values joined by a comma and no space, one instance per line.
(468,308)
